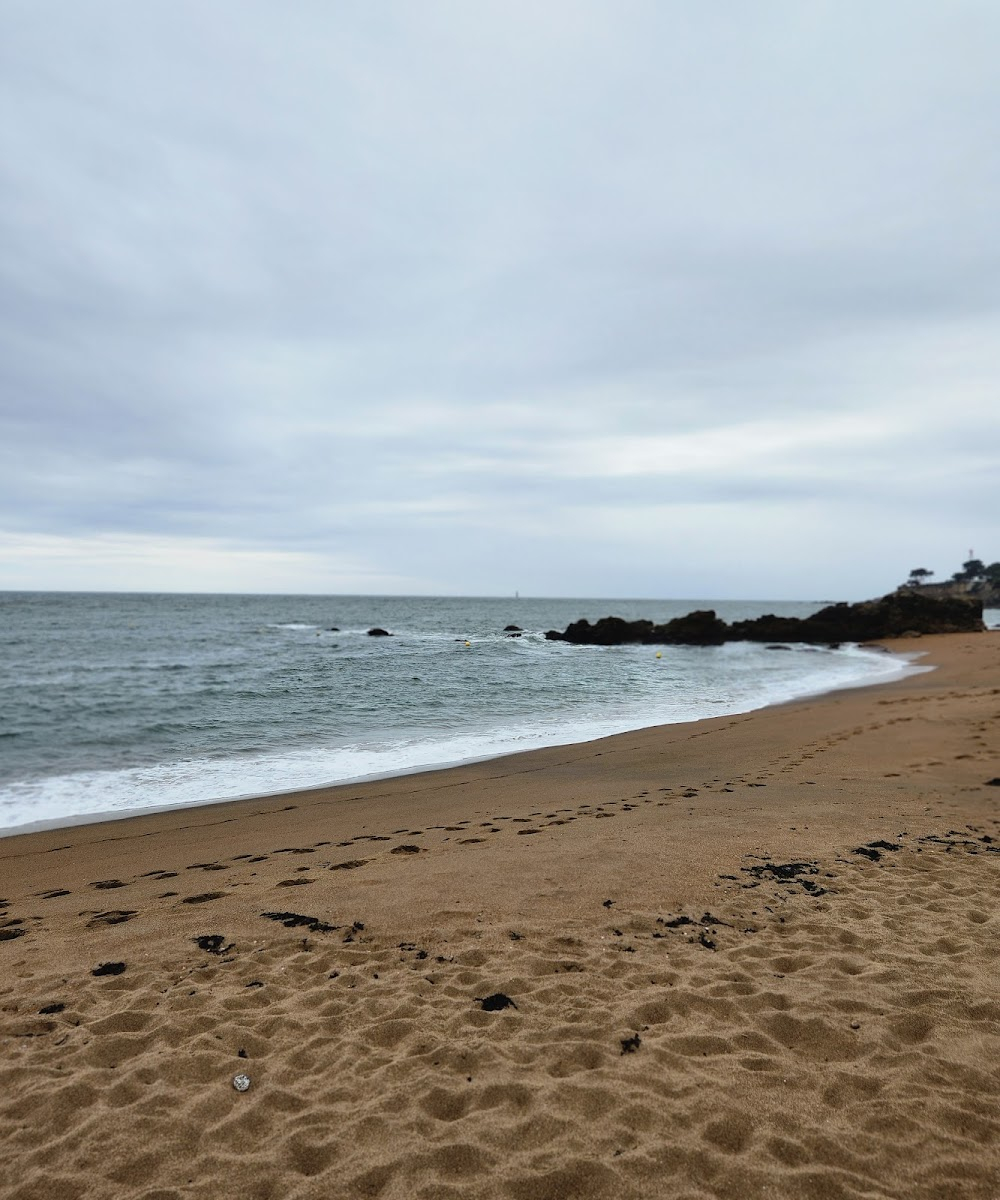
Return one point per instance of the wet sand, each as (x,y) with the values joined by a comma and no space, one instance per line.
(747,957)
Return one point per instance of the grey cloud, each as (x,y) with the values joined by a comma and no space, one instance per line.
(361,276)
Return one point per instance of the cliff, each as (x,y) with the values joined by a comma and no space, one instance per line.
(988,593)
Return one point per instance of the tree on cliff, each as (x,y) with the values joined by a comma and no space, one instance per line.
(918,575)
(974,569)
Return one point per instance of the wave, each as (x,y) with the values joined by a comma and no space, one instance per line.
(239,772)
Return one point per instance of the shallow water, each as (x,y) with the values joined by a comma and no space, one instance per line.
(112,703)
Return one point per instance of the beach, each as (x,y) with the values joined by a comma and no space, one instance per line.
(751,956)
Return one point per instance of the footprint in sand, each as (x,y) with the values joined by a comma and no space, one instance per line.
(203,898)
(117,916)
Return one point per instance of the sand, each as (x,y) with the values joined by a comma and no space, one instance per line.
(747,957)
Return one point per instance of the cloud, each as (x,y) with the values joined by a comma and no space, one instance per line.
(457,294)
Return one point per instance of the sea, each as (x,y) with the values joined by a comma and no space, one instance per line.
(115,703)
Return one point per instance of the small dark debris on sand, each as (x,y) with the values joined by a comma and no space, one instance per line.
(781,871)
(292,920)
(631,1044)
(9,934)
(405,849)
(873,850)
(674,923)
(293,882)
(212,943)
(993,782)
(109,968)
(53,894)
(786,873)
(351,864)
(203,898)
(106,884)
(51,1009)
(497,1002)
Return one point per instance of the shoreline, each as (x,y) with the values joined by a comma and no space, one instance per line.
(751,955)
(906,664)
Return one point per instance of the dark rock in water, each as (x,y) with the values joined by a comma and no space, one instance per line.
(777,646)
(333,629)
(513,629)
(516,633)
(495,1003)
(897,615)
(110,968)
(699,628)
(376,632)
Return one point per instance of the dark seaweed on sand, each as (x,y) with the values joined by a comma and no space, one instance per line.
(212,943)
(109,968)
(292,920)
(497,1002)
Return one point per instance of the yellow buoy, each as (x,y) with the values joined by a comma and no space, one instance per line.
(468,643)
(659,654)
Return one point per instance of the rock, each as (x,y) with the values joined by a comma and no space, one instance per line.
(513,629)
(900,614)
(376,632)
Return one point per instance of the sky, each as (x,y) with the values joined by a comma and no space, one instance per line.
(589,298)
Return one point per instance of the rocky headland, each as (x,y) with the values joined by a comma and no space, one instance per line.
(903,613)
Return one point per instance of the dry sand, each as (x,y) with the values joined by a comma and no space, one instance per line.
(720,987)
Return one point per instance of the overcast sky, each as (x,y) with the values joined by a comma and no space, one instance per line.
(585,298)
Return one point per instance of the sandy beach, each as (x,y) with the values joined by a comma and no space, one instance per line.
(748,957)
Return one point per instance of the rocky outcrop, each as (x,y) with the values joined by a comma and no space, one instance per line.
(981,589)
(899,614)
(377,632)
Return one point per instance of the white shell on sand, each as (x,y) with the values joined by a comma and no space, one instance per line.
(241,1082)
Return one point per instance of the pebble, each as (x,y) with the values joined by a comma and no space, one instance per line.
(241,1082)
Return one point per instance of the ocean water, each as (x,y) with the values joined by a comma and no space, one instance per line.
(114,703)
